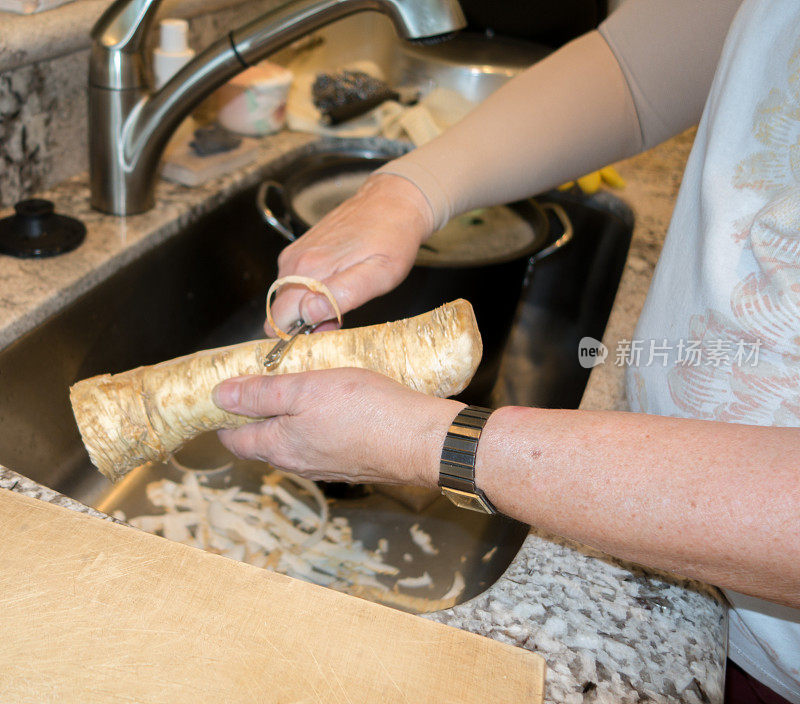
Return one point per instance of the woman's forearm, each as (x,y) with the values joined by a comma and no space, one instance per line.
(643,77)
(568,115)
(715,501)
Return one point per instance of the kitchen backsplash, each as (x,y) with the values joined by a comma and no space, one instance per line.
(42,125)
(43,107)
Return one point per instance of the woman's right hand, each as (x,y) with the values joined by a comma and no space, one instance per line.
(360,250)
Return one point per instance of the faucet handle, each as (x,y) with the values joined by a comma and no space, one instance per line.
(121,29)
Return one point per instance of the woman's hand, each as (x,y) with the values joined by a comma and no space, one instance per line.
(348,425)
(360,250)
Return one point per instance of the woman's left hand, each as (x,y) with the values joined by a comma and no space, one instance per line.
(348,425)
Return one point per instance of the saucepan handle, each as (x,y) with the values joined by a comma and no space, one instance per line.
(271,192)
(565,237)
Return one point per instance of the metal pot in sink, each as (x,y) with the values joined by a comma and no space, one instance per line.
(474,65)
(483,256)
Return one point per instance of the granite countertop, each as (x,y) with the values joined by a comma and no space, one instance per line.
(609,631)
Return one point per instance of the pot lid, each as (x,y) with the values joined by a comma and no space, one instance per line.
(489,234)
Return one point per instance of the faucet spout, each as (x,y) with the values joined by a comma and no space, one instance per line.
(129,126)
(121,29)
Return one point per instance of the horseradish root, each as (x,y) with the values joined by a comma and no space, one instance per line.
(146,414)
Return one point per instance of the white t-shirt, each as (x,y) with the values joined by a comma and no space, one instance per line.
(724,305)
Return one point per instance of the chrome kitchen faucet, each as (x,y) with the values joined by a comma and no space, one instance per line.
(129,124)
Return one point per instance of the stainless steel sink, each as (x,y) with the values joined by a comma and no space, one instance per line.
(205,287)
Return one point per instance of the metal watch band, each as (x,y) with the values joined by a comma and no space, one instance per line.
(457,464)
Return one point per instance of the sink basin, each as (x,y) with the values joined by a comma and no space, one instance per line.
(472,64)
(205,287)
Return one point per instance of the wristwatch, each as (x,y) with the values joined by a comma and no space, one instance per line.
(457,465)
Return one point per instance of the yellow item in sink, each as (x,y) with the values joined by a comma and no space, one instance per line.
(592,182)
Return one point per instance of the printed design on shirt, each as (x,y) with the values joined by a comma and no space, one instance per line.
(765,308)
(776,125)
(764,304)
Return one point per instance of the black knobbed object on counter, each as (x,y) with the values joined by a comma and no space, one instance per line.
(36,230)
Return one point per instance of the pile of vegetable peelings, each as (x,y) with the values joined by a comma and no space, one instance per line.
(287,528)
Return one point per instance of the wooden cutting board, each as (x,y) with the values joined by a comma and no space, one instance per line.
(91,611)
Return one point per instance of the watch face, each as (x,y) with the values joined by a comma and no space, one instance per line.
(464,499)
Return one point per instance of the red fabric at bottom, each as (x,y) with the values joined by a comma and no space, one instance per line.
(741,688)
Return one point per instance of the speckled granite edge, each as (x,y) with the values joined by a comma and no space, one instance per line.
(609,631)
(12,481)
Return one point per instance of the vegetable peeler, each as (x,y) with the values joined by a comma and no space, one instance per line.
(298,327)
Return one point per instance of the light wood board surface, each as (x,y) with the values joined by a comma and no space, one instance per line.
(91,611)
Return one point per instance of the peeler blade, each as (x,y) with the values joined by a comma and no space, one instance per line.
(276,354)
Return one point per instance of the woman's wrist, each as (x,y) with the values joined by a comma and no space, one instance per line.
(392,192)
